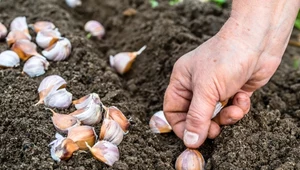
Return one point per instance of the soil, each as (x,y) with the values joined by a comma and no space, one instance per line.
(267,138)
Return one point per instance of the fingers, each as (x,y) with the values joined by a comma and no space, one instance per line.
(214,130)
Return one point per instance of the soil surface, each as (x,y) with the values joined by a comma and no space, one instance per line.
(267,138)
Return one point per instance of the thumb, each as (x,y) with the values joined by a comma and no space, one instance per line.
(198,120)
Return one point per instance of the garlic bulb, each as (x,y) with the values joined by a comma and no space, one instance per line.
(15,35)
(36,66)
(218,107)
(20,24)
(9,58)
(73,3)
(46,38)
(95,29)
(82,134)
(58,51)
(42,25)
(25,49)
(62,148)
(111,131)
(58,98)
(86,100)
(116,115)
(106,152)
(122,61)
(190,159)
(3,31)
(159,124)
(89,115)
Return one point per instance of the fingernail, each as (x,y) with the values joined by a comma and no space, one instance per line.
(242,101)
(190,138)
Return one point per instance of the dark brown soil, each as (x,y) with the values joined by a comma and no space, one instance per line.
(267,138)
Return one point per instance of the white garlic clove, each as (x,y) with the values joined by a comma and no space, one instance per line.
(111,131)
(15,35)
(62,148)
(20,24)
(25,49)
(95,29)
(82,134)
(42,25)
(190,159)
(118,116)
(58,51)
(89,115)
(3,31)
(86,100)
(9,58)
(46,38)
(106,152)
(159,124)
(122,62)
(36,66)
(218,107)
(59,99)
(73,3)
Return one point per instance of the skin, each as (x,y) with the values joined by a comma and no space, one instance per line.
(238,60)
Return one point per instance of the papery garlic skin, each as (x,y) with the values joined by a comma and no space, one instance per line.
(89,115)
(25,49)
(19,23)
(86,100)
(3,31)
(111,131)
(42,25)
(46,38)
(73,3)
(95,28)
(59,99)
(159,124)
(218,107)
(58,51)
(116,115)
(36,66)
(106,152)
(15,35)
(9,58)
(190,159)
(82,134)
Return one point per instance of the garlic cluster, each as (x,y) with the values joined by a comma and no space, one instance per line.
(9,58)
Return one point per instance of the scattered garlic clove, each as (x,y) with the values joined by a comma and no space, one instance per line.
(46,38)
(73,3)
(15,35)
(47,84)
(20,24)
(116,115)
(42,25)
(82,134)
(88,115)
(64,122)
(9,58)
(111,131)
(62,148)
(25,49)
(3,31)
(35,66)
(218,107)
(122,61)
(106,152)
(58,51)
(95,29)
(59,99)
(190,159)
(159,124)
(86,100)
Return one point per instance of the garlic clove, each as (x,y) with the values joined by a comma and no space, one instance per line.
(106,152)
(63,122)
(95,29)
(25,49)
(62,148)
(59,99)
(116,115)
(190,159)
(122,62)
(73,3)
(82,134)
(47,84)
(19,23)
(35,66)
(111,131)
(15,35)
(3,31)
(88,115)
(9,58)
(58,51)
(42,25)
(86,100)
(46,38)
(218,107)
(159,124)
